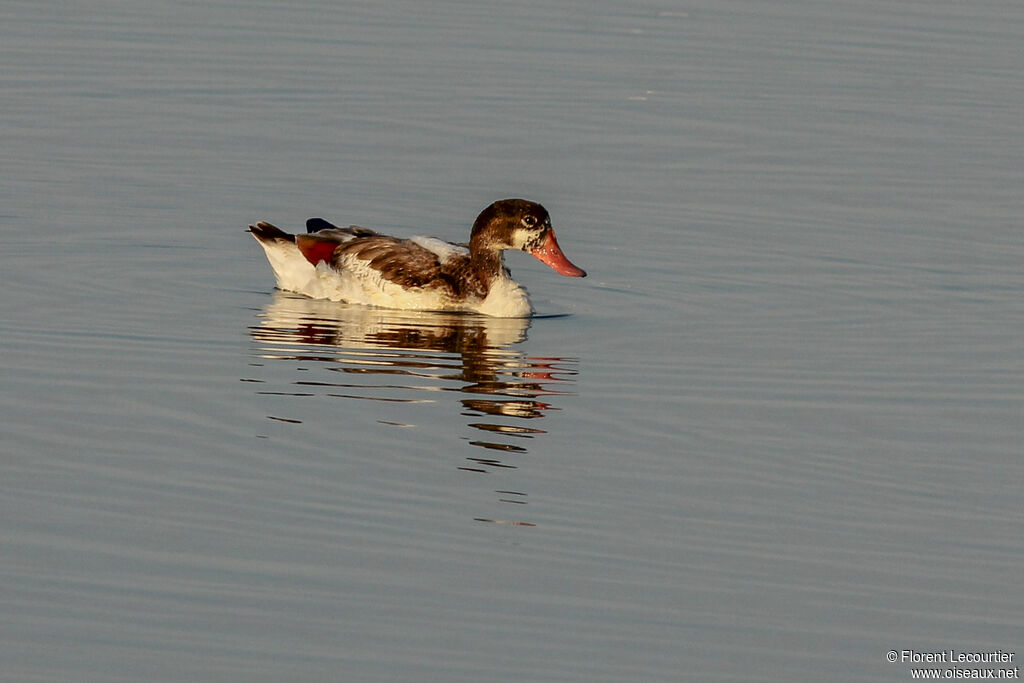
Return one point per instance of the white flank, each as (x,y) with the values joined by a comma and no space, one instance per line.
(291,268)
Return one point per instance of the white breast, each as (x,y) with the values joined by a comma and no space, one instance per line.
(507,299)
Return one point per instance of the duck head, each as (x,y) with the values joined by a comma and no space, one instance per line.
(524,225)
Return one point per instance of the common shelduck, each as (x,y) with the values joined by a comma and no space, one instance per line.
(360,266)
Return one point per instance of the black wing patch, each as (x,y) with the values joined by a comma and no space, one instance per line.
(318,224)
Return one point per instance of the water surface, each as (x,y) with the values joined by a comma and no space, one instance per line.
(775,434)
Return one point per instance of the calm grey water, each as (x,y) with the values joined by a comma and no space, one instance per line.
(774,435)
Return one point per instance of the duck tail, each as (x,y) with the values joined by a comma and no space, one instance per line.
(265,232)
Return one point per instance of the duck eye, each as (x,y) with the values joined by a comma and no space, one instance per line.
(529,221)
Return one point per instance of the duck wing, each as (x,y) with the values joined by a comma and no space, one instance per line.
(401,261)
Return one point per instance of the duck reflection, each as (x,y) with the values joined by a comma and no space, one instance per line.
(502,390)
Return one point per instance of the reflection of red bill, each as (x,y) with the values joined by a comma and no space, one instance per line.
(539,375)
(551,254)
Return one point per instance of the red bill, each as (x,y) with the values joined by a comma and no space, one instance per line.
(551,254)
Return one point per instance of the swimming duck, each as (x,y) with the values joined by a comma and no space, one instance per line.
(360,266)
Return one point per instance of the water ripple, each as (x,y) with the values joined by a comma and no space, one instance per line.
(402,360)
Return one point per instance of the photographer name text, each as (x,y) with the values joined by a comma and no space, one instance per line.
(956,657)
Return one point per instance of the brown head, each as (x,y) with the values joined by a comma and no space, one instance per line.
(524,225)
